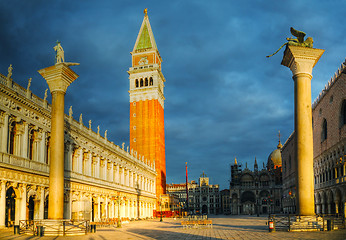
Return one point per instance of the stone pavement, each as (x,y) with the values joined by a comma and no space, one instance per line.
(224,227)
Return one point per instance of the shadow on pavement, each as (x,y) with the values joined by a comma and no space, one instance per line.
(158,234)
(249,227)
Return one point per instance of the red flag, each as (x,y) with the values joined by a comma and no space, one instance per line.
(187,189)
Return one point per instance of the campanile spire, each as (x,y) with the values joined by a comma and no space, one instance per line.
(147,131)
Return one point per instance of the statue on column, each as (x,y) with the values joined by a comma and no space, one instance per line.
(29,84)
(81,118)
(10,68)
(299,41)
(59,56)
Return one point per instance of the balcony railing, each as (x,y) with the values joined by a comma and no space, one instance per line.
(17,161)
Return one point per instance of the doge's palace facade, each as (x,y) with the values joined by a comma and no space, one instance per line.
(102,180)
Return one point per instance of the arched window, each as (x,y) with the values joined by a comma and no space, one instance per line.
(141,82)
(11,138)
(31,145)
(343,113)
(324,130)
(146,82)
(151,81)
(289,162)
(136,83)
(47,149)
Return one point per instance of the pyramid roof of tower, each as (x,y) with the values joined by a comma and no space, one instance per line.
(145,39)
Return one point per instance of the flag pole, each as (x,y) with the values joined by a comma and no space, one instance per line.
(187,190)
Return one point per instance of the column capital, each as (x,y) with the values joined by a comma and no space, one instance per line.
(58,76)
(301,59)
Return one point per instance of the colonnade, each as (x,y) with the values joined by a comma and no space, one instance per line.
(19,201)
(83,161)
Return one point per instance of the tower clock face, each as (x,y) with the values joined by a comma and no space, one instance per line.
(143,61)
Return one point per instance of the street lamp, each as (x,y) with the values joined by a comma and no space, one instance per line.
(161,209)
(118,220)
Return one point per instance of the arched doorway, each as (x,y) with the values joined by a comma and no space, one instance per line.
(46,207)
(31,207)
(204,209)
(92,210)
(10,207)
(248,200)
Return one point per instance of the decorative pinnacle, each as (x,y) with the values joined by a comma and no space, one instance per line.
(146,12)
(279,145)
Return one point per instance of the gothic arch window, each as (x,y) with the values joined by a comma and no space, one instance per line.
(136,83)
(289,162)
(324,130)
(151,81)
(343,113)
(141,82)
(146,82)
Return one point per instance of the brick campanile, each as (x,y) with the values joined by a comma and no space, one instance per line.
(147,130)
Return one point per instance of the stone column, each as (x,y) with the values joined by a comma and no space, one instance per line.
(19,132)
(23,202)
(42,153)
(58,77)
(301,61)
(25,140)
(2,203)
(99,209)
(41,208)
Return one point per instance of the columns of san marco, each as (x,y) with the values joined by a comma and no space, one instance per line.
(58,77)
(301,61)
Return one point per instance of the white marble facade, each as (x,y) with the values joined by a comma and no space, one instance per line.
(102,180)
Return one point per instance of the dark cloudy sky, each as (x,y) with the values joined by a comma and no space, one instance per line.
(224,98)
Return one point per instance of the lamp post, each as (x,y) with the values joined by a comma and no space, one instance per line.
(161,209)
(118,220)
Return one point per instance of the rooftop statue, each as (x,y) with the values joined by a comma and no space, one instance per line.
(10,68)
(29,84)
(45,95)
(59,56)
(299,41)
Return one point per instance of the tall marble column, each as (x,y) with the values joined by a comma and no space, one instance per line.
(58,77)
(301,61)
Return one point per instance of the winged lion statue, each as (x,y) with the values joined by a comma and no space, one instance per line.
(299,41)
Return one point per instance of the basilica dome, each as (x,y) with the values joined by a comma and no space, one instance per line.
(274,159)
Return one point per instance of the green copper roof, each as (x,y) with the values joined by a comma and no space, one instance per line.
(144,40)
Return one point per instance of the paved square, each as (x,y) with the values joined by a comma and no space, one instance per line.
(230,227)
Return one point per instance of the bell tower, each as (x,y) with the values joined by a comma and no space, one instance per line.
(147,130)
